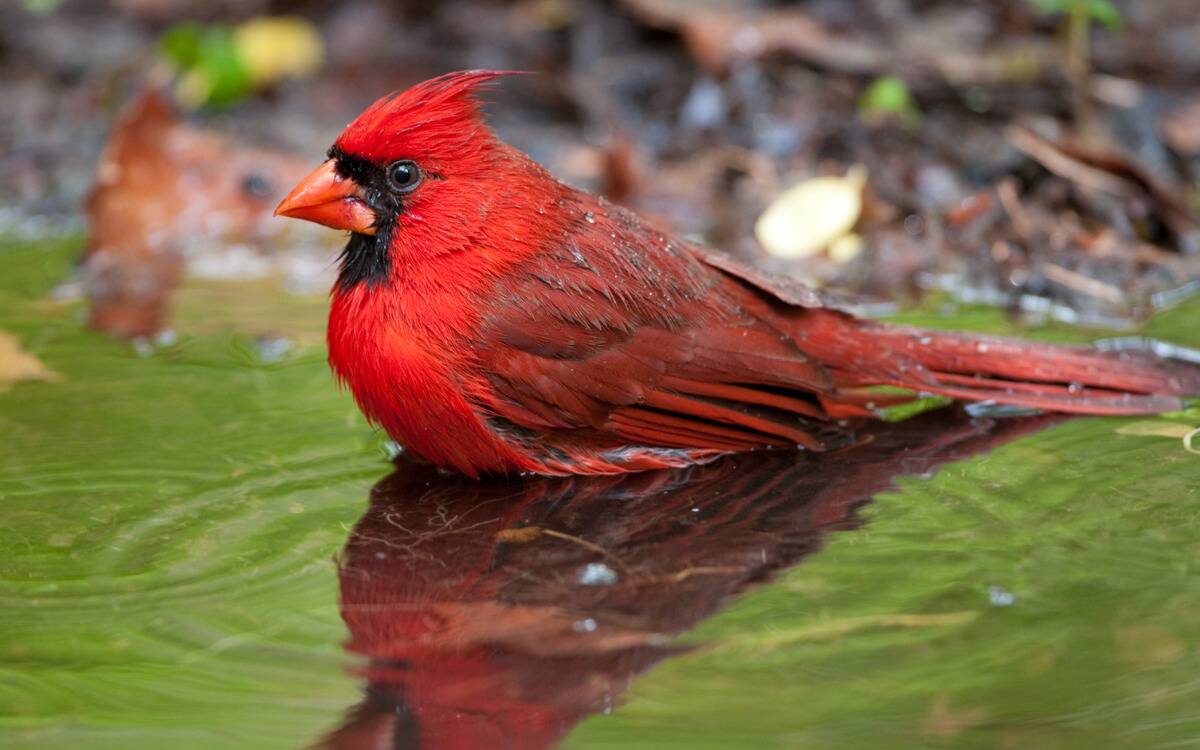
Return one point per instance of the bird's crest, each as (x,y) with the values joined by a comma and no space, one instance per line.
(434,117)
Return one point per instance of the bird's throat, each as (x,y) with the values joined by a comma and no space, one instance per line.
(366,259)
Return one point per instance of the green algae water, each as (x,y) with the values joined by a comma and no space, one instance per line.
(192,555)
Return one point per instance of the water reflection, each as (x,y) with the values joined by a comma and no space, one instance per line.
(500,614)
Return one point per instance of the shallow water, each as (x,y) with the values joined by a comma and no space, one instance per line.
(202,545)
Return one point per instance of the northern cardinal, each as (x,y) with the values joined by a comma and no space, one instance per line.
(493,319)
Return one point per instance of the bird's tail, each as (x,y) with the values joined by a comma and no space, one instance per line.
(971,367)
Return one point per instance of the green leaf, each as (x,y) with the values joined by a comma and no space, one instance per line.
(41,7)
(1050,7)
(1100,11)
(180,44)
(1106,13)
(211,72)
(219,60)
(888,97)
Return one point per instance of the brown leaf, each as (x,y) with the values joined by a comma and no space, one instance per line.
(163,190)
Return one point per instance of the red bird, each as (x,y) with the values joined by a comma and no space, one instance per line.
(493,319)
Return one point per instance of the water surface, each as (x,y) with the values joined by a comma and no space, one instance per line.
(202,545)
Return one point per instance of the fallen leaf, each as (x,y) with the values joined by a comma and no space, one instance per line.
(846,248)
(888,98)
(17,365)
(170,197)
(274,48)
(809,217)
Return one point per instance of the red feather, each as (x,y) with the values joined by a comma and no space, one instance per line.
(527,326)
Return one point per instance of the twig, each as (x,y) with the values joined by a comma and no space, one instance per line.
(529,533)
(1006,191)
(1053,159)
(1084,284)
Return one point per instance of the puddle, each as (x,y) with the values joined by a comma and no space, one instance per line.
(202,545)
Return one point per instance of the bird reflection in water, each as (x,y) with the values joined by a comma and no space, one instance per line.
(498,614)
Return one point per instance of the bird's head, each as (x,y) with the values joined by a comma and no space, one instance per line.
(417,172)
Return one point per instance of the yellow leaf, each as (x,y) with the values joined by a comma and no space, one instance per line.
(17,365)
(273,48)
(846,248)
(193,88)
(809,217)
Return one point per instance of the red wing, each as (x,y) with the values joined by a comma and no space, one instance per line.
(647,342)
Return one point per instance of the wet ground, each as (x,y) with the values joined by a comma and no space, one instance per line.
(205,546)
(1006,164)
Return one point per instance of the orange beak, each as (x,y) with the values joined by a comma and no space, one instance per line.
(325,197)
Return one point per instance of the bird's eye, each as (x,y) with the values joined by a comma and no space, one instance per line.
(404,176)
